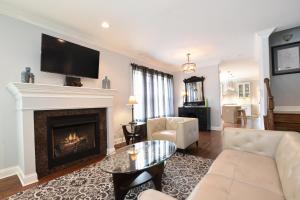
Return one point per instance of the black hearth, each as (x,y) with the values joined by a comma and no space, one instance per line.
(71,138)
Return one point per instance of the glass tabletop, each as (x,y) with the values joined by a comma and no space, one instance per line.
(135,124)
(138,156)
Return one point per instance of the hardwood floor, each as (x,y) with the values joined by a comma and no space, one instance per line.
(251,123)
(210,145)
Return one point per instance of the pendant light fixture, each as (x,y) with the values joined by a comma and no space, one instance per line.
(188,67)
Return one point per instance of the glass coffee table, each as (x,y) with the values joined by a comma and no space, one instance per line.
(137,164)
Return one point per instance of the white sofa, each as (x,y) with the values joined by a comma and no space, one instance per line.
(180,130)
(254,165)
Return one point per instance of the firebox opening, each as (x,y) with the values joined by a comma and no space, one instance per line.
(71,138)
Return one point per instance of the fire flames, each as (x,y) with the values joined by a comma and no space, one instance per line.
(72,137)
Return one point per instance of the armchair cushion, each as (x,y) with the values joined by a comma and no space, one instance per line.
(172,122)
(169,135)
(155,125)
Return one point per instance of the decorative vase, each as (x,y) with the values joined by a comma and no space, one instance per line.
(106,83)
(31,78)
(25,75)
(206,102)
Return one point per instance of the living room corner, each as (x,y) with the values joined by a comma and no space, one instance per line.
(138,100)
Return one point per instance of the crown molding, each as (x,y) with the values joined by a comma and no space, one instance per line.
(266,33)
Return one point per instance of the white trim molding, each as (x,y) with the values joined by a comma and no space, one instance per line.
(16,170)
(119,140)
(33,97)
(10,171)
(216,128)
(288,109)
(26,179)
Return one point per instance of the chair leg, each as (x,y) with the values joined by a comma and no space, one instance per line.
(197,144)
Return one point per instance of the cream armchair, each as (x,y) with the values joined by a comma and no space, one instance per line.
(182,131)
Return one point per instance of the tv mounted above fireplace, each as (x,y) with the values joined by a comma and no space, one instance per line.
(63,57)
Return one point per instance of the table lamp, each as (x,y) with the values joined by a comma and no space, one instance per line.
(132,101)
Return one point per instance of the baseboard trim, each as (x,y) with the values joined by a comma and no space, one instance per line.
(216,128)
(110,151)
(119,140)
(26,179)
(7,172)
(16,170)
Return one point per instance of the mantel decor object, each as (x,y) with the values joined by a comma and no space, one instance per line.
(27,76)
(106,83)
(73,81)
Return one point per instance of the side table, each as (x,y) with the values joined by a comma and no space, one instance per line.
(134,132)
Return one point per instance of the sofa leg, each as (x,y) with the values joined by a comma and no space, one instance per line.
(197,144)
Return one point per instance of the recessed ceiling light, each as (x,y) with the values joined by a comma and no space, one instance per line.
(105,25)
(61,40)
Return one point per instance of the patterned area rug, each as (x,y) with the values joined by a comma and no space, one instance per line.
(182,173)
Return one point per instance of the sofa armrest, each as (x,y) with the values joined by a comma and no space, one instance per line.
(154,194)
(187,132)
(155,124)
(261,142)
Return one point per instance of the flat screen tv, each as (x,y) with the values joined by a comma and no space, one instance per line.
(63,57)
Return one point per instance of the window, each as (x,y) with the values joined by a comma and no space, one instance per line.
(154,92)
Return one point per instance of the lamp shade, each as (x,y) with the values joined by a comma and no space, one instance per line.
(132,100)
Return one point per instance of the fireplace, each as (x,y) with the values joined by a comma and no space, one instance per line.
(67,137)
(71,138)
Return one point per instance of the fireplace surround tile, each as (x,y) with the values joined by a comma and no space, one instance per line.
(41,133)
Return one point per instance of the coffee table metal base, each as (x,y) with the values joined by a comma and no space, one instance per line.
(123,182)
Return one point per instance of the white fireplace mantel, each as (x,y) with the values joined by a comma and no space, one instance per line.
(33,97)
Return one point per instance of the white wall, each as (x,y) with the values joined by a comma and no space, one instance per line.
(286,85)
(262,56)
(211,91)
(20,46)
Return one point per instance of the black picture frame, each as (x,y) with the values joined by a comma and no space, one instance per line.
(291,58)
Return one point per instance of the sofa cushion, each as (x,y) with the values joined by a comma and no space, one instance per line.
(169,135)
(252,169)
(154,194)
(216,187)
(288,164)
(260,142)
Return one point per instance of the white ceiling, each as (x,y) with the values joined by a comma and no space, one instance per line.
(239,69)
(164,30)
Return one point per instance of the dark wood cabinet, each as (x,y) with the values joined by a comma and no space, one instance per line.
(202,113)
